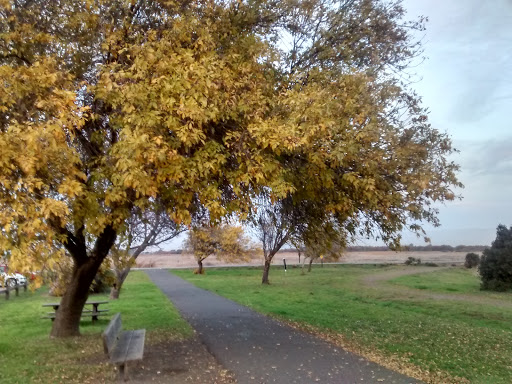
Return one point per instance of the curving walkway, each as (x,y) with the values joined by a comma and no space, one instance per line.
(259,349)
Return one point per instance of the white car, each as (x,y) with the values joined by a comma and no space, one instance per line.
(11,279)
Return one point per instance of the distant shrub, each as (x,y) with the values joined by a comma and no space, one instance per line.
(430,264)
(496,262)
(412,261)
(472,260)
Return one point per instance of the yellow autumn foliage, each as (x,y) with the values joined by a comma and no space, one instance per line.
(108,105)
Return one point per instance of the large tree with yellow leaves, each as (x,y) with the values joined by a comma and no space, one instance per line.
(106,105)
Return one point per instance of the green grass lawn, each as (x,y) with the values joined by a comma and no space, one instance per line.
(446,281)
(456,339)
(28,355)
(453,280)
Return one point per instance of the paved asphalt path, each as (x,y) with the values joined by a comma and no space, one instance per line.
(258,349)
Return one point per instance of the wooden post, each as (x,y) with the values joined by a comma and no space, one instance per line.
(6,292)
(25,287)
(17,289)
(123,372)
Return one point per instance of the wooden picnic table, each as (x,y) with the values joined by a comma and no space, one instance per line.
(94,312)
(95,305)
(54,305)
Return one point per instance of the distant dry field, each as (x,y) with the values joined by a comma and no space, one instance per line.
(168,260)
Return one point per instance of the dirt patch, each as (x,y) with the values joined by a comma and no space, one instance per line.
(177,362)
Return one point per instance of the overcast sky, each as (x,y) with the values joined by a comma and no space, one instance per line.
(466,82)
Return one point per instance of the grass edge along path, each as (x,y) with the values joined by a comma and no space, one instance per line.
(435,341)
(27,354)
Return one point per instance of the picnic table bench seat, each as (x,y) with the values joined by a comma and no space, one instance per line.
(85,313)
(89,311)
(123,346)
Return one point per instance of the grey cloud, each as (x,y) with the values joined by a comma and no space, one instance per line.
(490,157)
(468,42)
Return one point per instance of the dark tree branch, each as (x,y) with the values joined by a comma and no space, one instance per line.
(16,56)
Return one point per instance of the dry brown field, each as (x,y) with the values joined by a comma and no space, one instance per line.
(168,260)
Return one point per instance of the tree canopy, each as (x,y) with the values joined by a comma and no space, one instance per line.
(107,105)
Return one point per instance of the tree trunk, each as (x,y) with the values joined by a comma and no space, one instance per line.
(310,263)
(266,270)
(269,254)
(200,270)
(115,290)
(67,321)
(85,267)
(121,275)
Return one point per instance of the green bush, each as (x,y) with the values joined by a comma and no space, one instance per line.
(496,262)
(412,261)
(430,264)
(472,260)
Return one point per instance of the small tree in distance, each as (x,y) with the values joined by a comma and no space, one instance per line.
(273,226)
(496,262)
(142,229)
(225,242)
(303,224)
(329,244)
